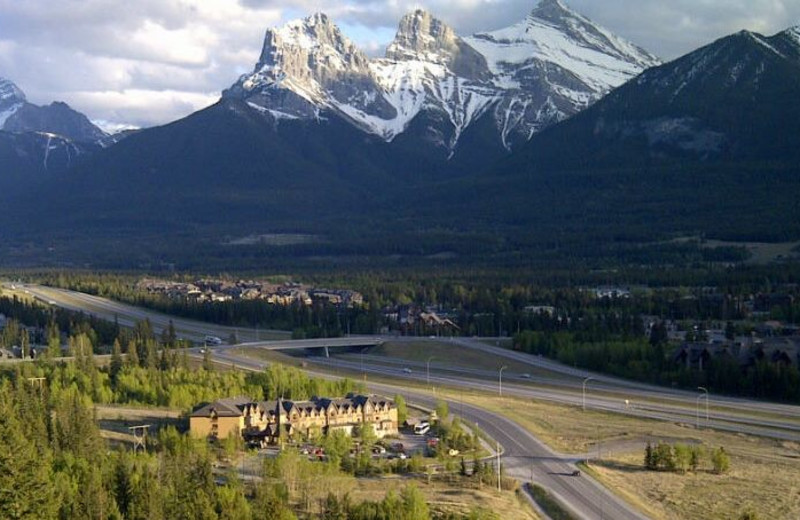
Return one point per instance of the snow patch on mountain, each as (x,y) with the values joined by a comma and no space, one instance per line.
(11,100)
(10,93)
(527,77)
(8,112)
(794,33)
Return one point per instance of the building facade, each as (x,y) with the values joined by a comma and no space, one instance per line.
(265,422)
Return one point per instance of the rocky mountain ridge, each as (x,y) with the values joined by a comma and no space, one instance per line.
(17,115)
(527,77)
(731,100)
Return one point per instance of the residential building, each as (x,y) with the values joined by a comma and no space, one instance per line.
(265,422)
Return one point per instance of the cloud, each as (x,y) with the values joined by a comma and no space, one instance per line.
(151,61)
(141,108)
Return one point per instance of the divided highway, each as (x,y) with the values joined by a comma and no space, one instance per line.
(523,456)
(523,453)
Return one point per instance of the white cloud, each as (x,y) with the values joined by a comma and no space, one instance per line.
(141,108)
(150,61)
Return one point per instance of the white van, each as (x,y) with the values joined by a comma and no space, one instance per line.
(422,428)
(213,340)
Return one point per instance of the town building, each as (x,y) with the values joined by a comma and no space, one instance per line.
(265,422)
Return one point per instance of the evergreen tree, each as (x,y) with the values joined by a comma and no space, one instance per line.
(133,354)
(414,505)
(26,487)
(53,340)
(272,502)
(116,361)
(402,409)
(207,364)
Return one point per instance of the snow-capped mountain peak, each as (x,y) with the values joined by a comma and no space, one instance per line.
(794,33)
(10,93)
(528,76)
(11,100)
(420,35)
(553,10)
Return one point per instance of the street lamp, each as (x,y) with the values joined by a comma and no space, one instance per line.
(428,369)
(697,407)
(362,359)
(584,391)
(500,380)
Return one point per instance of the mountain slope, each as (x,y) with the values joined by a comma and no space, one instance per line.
(734,99)
(554,64)
(707,145)
(39,143)
(225,169)
(30,159)
(18,115)
(525,78)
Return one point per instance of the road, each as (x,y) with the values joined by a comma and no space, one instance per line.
(726,415)
(523,455)
(522,451)
(128,315)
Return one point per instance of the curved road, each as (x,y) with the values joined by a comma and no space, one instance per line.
(523,452)
(524,456)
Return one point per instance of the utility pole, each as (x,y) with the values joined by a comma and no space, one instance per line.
(498,467)
(37,381)
(139,436)
(500,380)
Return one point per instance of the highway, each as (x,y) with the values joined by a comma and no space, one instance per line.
(724,414)
(128,315)
(523,456)
(523,453)
(466,379)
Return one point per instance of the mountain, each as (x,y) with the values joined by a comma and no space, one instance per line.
(706,145)
(552,65)
(30,158)
(732,100)
(37,143)
(394,158)
(434,84)
(18,115)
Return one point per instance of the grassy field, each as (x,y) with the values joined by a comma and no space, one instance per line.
(760,252)
(115,421)
(443,496)
(764,475)
(452,354)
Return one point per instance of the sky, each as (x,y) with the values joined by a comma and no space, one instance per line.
(146,62)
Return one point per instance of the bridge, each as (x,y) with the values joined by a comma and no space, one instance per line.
(323,343)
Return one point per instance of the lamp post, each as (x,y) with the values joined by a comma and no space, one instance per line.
(428,369)
(697,407)
(500,380)
(583,393)
(362,359)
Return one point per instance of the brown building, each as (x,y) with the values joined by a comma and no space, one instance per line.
(266,421)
